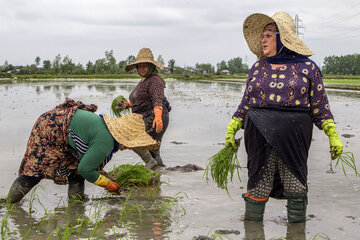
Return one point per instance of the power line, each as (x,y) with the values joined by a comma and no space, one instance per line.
(340,30)
(332,17)
(336,22)
(333,39)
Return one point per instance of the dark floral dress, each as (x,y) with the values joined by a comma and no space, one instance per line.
(48,153)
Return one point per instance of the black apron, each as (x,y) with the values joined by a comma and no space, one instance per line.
(286,130)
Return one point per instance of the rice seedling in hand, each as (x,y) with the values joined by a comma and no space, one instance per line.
(222,164)
(346,159)
(120,106)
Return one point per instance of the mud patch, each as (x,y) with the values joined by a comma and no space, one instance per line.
(177,143)
(347,135)
(185,168)
(226,232)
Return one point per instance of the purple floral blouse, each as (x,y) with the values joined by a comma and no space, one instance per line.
(293,85)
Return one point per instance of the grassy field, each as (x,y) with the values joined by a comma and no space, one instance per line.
(80,76)
(343,81)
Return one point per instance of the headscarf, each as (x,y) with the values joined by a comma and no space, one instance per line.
(151,70)
(283,54)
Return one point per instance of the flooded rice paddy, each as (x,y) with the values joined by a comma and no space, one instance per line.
(185,206)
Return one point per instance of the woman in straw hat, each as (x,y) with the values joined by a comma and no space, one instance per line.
(284,97)
(70,143)
(148,99)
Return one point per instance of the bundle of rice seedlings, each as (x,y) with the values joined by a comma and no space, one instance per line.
(222,164)
(347,159)
(118,108)
(132,176)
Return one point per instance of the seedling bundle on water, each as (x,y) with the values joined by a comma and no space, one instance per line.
(222,164)
(131,176)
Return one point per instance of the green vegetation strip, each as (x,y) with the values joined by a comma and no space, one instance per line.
(132,176)
(77,76)
(338,79)
(342,81)
(352,77)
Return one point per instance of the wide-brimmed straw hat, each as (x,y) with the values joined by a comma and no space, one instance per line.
(253,30)
(129,130)
(144,56)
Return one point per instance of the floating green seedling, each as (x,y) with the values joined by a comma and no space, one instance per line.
(118,108)
(130,176)
(222,164)
(319,236)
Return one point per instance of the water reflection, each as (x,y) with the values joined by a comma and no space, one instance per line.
(66,89)
(255,231)
(58,222)
(135,215)
(296,231)
(56,88)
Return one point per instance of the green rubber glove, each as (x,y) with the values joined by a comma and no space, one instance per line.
(336,146)
(232,128)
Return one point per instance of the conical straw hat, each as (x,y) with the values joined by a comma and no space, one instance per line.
(144,56)
(129,130)
(253,30)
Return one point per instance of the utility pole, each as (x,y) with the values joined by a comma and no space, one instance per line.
(298,21)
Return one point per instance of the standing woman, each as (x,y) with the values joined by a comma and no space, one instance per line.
(148,99)
(284,97)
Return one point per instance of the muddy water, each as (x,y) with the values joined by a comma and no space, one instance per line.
(196,207)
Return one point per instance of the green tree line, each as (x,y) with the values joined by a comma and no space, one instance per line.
(333,65)
(109,65)
(342,65)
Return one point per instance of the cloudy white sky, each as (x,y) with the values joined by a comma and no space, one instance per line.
(189,31)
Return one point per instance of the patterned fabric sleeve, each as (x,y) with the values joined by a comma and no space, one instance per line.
(319,104)
(243,108)
(156,90)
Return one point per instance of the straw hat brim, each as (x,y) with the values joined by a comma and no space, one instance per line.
(130,131)
(133,65)
(254,26)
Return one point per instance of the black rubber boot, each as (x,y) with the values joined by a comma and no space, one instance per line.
(156,155)
(146,156)
(296,206)
(19,189)
(76,187)
(254,210)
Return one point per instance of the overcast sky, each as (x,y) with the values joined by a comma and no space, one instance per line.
(194,31)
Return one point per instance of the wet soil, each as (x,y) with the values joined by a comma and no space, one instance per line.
(198,120)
